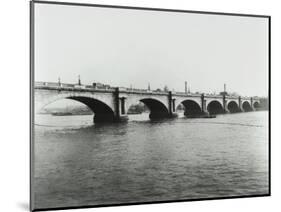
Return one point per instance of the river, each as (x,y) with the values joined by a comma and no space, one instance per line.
(79,163)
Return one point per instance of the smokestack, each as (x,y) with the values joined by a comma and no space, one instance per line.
(185,83)
(224,87)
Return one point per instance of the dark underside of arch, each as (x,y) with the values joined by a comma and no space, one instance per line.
(191,108)
(233,107)
(246,107)
(215,107)
(256,105)
(103,113)
(157,109)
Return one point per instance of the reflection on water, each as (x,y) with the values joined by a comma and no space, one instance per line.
(78,163)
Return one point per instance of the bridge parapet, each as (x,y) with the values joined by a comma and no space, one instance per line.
(70,87)
(186,94)
(232,97)
(60,86)
(73,87)
(213,96)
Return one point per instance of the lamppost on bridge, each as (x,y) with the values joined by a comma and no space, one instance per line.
(59,82)
(79,80)
(148,88)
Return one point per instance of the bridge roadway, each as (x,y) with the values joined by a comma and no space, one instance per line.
(111,104)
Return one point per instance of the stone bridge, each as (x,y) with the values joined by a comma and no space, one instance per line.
(112,104)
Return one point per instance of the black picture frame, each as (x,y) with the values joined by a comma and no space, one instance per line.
(33,2)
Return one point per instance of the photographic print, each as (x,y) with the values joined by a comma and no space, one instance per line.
(141,105)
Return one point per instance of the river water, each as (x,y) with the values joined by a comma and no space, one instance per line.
(78,163)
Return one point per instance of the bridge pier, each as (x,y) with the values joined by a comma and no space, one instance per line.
(109,118)
(103,118)
(120,111)
(224,101)
(240,104)
(172,106)
(118,115)
(204,111)
(252,105)
(224,104)
(159,115)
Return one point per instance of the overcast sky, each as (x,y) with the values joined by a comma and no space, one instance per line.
(134,47)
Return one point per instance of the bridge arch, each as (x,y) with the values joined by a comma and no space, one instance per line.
(246,106)
(103,113)
(256,105)
(102,110)
(215,107)
(156,107)
(191,107)
(233,107)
